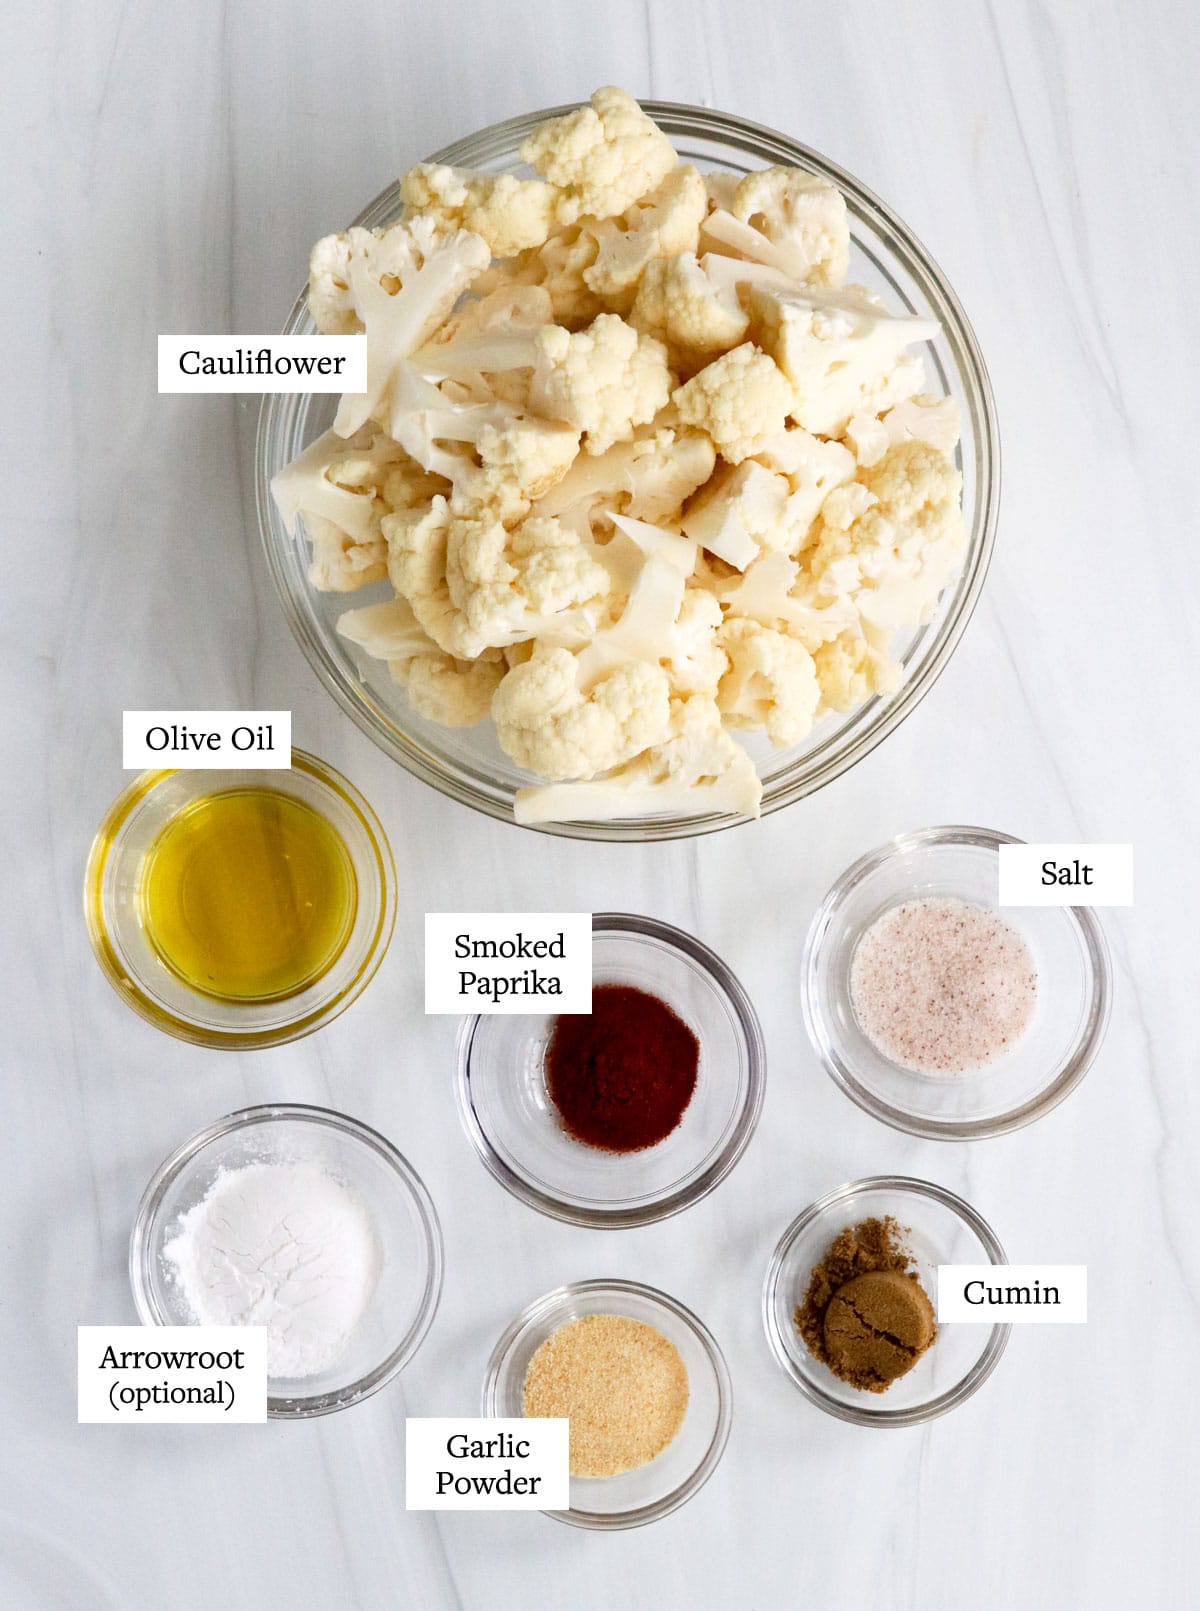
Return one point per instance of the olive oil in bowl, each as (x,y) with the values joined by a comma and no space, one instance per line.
(248,894)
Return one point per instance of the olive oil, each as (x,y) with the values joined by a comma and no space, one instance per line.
(248,895)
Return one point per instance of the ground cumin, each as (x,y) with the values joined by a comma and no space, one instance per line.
(865,1314)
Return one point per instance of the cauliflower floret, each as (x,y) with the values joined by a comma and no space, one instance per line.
(842,352)
(740,400)
(510,214)
(894,539)
(397,285)
(602,158)
(849,670)
(490,452)
(696,660)
(776,593)
(602,381)
(475,586)
(665,221)
(801,217)
(934,420)
(813,470)
(338,479)
(697,767)
(456,693)
(647,478)
(557,268)
(771,682)
(692,312)
(506,305)
(342,488)
(741,511)
(547,725)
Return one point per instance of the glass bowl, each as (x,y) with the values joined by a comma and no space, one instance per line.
(467,764)
(513,1124)
(402,1306)
(939,1228)
(144,981)
(1049,1060)
(651,1491)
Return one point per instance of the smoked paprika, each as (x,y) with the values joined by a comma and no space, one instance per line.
(621,1075)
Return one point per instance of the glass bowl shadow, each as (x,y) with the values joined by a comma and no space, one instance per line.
(466,763)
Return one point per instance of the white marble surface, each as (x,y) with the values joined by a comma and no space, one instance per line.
(166,169)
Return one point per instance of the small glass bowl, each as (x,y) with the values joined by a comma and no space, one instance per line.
(405,1299)
(467,763)
(1049,1060)
(938,1228)
(651,1491)
(144,981)
(513,1124)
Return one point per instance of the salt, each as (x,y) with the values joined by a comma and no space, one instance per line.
(940,986)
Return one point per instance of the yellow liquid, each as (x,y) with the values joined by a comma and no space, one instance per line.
(248,895)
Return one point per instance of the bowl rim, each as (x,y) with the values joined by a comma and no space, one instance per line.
(539,1309)
(1095,949)
(676,1199)
(171,1020)
(296,1406)
(886,714)
(863,1415)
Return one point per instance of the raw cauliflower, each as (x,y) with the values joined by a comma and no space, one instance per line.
(545,723)
(647,478)
(558,267)
(697,767)
(398,285)
(789,220)
(510,214)
(692,312)
(771,683)
(456,693)
(741,400)
(896,536)
(934,420)
(664,222)
(642,471)
(850,670)
(742,510)
(602,158)
(473,585)
(603,381)
(842,351)
(341,489)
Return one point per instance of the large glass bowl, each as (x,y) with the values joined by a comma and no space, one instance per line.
(466,763)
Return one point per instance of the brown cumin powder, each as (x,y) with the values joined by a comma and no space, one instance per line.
(865,1313)
(620,1382)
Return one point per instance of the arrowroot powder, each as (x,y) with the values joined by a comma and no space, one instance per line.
(941,986)
(282,1245)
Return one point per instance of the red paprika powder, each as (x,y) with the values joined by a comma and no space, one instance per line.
(622,1075)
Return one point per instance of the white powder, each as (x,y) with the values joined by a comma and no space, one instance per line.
(281,1245)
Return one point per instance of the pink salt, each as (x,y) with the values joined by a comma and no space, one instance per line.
(941,986)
